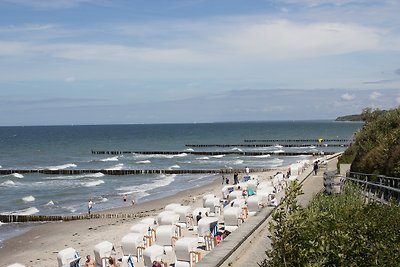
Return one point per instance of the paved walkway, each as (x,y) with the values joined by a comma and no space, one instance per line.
(255,252)
(247,246)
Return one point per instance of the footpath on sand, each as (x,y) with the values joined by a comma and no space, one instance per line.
(250,248)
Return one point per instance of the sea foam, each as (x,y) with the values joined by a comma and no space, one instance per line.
(28,199)
(8,183)
(92,183)
(62,167)
(143,162)
(110,159)
(17,175)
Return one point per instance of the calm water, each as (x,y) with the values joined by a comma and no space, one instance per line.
(69,147)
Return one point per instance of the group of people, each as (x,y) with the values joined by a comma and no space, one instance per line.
(90,203)
(91,263)
(235,176)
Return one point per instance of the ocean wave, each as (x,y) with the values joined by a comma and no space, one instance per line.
(27,211)
(279,151)
(217,156)
(174,167)
(116,167)
(50,203)
(72,177)
(61,167)
(236,149)
(162,180)
(8,183)
(189,149)
(109,159)
(203,158)
(159,156)
(17,175)
(278,146)
(262,156)
(103,199)
(92,183)
(143,162)
(28,199)
(238,162)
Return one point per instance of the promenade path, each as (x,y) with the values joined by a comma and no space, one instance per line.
(255,252)
(246,247)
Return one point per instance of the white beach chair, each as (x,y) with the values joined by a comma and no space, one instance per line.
(68,257)
(235,195)
(232,218)
(153,253)
(132,245)
(182,211)
(252,184)
(214,204)
(16,265)
(205,197)
(102,251)
(167,217)
(206,230)
(166,236)
(226,190)
(172,206)
(253,204)
(185,252)
(196,212)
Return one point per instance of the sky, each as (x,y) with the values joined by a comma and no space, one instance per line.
(193,61)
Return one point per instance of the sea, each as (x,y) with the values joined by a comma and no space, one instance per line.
(70,147)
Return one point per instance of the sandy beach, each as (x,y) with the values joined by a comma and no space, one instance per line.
(40,245)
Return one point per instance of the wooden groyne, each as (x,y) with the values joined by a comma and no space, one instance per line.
(206,153)
(127,172)
(268,145)
(295,140)
(7,218)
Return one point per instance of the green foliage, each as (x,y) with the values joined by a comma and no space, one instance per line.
(337,230)
(377,146)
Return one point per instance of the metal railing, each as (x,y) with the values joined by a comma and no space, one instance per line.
(376,187)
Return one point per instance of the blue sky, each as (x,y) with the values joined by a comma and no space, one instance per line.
(160,61)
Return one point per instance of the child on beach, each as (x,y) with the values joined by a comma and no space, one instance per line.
(89,262)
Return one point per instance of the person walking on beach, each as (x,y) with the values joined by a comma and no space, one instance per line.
(90,206)
(247,171)
(235,178)
(198,217)
(315,167)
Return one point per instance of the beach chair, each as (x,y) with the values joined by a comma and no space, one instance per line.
(235,195)
(182,211)
(186,254)
(102,252)
(153,253)
(226,190)
(172,206)
(214,205)
(132,245)
(196,212)
(205,197)
(232,218)
(68,257)
(166,236)
(167,217)
(151,223)
(254,204)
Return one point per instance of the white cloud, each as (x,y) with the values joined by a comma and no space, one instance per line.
(347,97)
(375,95)
(49,4)
(12,48)
(283,39)
(70,79)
